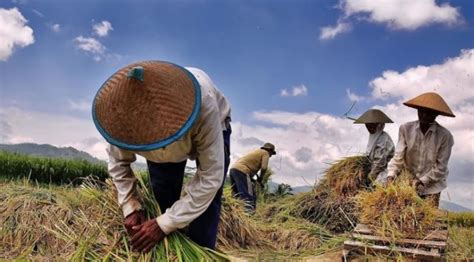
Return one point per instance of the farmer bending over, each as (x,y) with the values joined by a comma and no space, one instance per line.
(424,147)
(167,114)
(243,171)
(380,148)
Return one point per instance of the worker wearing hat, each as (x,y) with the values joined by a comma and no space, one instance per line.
(424,147)
(166,114)
(245,168)
(380,147)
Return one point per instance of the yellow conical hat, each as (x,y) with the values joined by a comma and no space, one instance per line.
(431,101)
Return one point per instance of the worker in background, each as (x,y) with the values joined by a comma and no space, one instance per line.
(245,169)
(380,148)
(167,114)
(424,147)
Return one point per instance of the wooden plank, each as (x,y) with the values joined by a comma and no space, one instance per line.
(409,252)
(420,243)
(434,235)
(363,229)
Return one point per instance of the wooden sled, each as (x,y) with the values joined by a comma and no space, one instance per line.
(431,248)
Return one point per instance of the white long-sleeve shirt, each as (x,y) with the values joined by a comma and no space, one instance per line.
(203,141)
(380,154)
(424,155)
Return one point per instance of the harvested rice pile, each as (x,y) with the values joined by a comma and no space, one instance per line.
(236,228)
(37,224)
(331,202)
(397,211)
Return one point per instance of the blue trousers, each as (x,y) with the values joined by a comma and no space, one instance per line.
(167,182)
(243,188)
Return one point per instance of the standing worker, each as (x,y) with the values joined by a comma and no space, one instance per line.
(242,172)
(380,148)
(167,114)
(424,147)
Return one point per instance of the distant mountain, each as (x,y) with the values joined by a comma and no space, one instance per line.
(46,150)
(450,206)
(302,189)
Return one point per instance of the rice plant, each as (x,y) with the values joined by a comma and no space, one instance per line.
(48,170)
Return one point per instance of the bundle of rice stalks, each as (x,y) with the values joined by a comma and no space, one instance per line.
(92,230)
(396,211)
(330,203)
(111,241)
(236,228)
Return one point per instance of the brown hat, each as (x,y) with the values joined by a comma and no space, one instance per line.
(431,101)
(269,146)
(373,116)
(147,105)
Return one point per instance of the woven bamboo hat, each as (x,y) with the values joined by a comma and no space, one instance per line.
(269,146)
(431,101)
(147,105)
(373,116)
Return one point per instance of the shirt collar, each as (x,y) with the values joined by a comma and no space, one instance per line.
(432,127)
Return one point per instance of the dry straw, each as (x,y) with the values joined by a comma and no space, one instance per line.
(396,210)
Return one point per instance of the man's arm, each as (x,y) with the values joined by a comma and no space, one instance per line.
(440,169)
(123,178)
(382,153)
(264,167)
(201,190)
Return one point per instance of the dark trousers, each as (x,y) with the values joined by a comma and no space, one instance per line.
(242,188)
(167,182)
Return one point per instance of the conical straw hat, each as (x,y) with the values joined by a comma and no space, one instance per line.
(431,101)
(373,116)
(147,105)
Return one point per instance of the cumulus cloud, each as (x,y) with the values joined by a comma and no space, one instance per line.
(14,33)
(330,32)
(395,14)
(402,14)
(453,79)
(353,97)
(91,46)
(299,90)
(103,28)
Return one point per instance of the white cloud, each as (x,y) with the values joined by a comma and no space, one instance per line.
(299,90)
(55,27)
(402,14)
(82,105)
(103,28)
(89,45)
(329,32)
(453,79)
(13,32)
(353,97)
(55,129)
(395,14)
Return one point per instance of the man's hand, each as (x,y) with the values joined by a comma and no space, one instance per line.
(390,180)
(418,185)
(134,219)
(147,236)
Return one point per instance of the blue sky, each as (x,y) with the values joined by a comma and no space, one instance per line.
(253,50)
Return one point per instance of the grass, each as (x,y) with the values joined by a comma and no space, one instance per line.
(48,170)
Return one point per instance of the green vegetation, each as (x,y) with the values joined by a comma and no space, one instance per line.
(48,170)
